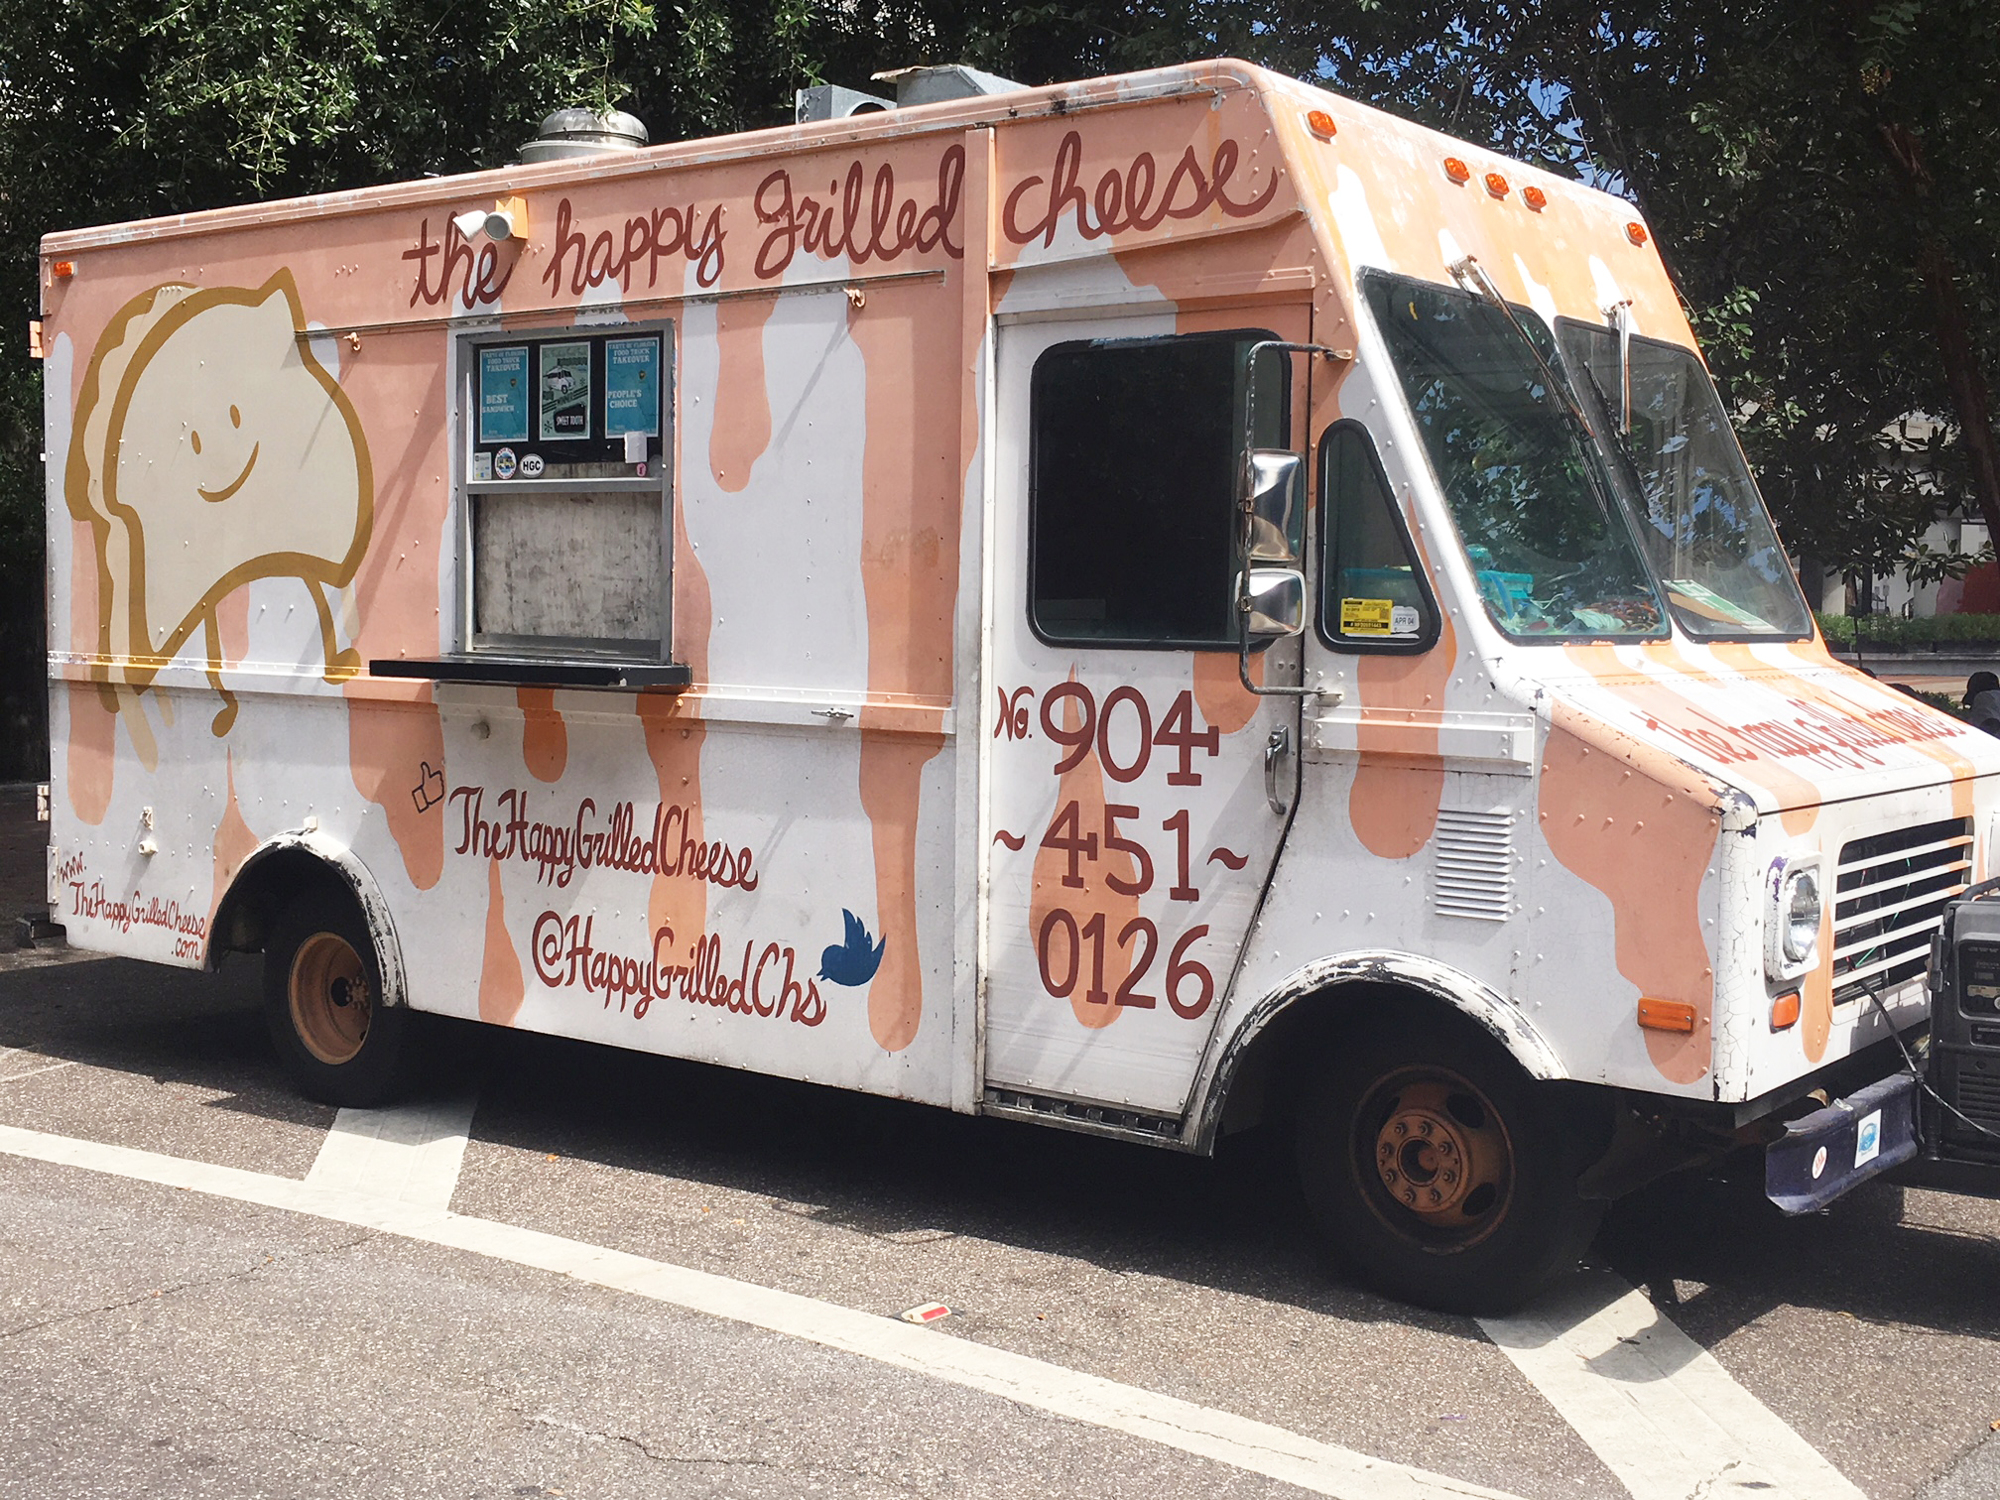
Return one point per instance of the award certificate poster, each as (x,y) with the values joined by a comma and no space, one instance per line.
(632,387)
(565,392)
(503,394)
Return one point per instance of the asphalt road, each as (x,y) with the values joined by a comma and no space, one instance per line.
(160,1341)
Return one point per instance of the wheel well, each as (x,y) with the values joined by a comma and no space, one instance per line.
(1263,1081)
(1276,1062)
(265,886)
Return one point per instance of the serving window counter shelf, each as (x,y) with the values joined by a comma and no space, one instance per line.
(565,512)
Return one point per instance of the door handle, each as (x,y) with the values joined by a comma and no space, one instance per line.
(1276,748)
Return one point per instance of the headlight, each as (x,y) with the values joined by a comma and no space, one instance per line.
(1801,933)
(1792,923)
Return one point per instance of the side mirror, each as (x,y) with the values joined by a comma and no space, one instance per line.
(1273,601)
(1276,503)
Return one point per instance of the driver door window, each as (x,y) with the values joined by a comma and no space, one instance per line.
(1136,445)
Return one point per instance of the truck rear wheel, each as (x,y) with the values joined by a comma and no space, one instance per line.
(1441,1172)
(323,1004)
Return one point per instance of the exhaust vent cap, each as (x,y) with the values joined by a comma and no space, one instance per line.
(572,133)
(934,85)
(829,101)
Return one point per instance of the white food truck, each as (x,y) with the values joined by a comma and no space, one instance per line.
(1146,606)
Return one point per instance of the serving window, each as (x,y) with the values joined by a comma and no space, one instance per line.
(566,513)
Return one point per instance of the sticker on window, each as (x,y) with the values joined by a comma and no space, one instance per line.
(1368,617)
(1404,620)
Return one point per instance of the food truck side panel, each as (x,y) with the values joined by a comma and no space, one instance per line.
(772,850)
(758,871)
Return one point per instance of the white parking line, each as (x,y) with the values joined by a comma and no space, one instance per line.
(36,1072)
(1653,1404)
(1256,1447)
(411,1153)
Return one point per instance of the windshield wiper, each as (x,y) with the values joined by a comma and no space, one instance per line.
(1620,313)
(1471,275)
(1621,436)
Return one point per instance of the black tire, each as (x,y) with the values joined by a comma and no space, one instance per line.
(322,1003)
(1440,1172)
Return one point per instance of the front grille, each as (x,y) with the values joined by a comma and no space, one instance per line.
(1889,897)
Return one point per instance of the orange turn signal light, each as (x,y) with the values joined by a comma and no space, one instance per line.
(1320,123)
(1667,1015)
(1496,184)
(1535,198)
(1636,233)
(1457,170)
(62,270)
(1785,1011)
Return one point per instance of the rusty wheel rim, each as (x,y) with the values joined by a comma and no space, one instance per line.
(331,999)
(1434,1158)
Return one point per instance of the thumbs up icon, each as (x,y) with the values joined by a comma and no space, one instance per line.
(429,790)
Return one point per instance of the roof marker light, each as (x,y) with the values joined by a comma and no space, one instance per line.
(1320,123)
(1457,170)
(1496,184)
(1535,198)
(62,270)
(1636,233)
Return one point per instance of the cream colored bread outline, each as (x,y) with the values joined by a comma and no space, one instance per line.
(285,492)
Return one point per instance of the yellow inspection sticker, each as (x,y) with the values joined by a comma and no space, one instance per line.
(1366,616)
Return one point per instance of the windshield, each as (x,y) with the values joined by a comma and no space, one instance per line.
(1703,525)
(1552,553)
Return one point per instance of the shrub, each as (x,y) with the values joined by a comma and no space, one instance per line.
(1893,632)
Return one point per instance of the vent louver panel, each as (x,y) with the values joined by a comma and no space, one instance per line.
(1474,872)
(1889,897)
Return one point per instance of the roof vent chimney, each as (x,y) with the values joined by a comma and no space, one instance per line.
(934,85)
(571,133)
(921,85)
(829,101)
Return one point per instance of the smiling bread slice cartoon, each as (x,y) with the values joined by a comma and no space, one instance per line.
(212,447)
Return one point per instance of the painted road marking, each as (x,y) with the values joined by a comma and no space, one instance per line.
(411,1153)
(36,1072)
(1667,1419)
(1256,1447)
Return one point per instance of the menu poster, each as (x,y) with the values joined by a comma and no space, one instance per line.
(632,387)
(565,391)
(503,394)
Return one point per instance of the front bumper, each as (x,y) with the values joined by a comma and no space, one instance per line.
(1832,1150)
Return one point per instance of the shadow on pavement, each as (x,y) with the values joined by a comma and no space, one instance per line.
(912,1173)
(1868,1256)
(169,1025)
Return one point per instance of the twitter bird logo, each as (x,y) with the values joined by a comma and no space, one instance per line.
(852,962)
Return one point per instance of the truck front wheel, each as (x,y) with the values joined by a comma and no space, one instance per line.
(323,1003)
(1441,1172)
